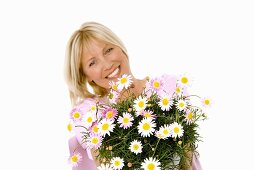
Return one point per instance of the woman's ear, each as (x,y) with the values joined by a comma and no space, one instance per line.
(91,82)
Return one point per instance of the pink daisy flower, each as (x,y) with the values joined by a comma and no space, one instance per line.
(156,84)
(75,159)
(125,121)
(114,86)
(94,128)
(109,113)
(148,114)
(76,114)
(94,141)
(113,96)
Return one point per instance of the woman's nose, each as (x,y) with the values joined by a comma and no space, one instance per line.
(107,64)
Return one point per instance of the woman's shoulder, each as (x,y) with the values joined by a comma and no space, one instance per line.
(88,103)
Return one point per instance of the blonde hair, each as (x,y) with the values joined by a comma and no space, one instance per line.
(74,75)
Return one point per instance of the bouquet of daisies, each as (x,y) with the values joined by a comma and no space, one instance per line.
(156,130)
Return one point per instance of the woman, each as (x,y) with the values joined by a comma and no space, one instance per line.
(95,56)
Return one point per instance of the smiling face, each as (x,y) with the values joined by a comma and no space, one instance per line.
(103,62)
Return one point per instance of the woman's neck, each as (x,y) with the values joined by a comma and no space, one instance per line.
(136,88)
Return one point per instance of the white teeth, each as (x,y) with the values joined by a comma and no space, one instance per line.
(114,73)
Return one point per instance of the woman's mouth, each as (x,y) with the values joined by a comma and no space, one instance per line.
(114,73)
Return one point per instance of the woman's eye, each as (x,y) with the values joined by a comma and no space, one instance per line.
(92,63)
(108,50)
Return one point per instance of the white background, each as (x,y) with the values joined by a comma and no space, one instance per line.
(213,41)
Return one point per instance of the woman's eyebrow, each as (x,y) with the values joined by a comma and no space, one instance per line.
(90,59)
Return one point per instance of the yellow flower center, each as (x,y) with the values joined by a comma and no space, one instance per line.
(146,126)
(76,115)
(159,135)
(147,114)
(95,141)
(126,120)
(114,87)
(105,126)
(69,127)
(181,104)
(190,115)
(156,84)
(141,104)
(184,80)
(89,119)
(176,130)
(151,166)
(207,102)
(74,158)
(109,114)
(123,80)
(95,129)
(165,102)
(178,90)
(135,146)
(93,108)
(117,163)
(165,131)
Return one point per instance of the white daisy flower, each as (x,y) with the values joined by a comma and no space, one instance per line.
(159,135)
(106,126)
(151,164)
(181,105)
(88,119)
(146,127)
(117,163)
(178,90)
(136,147)
(184,80)
(176,130)
(140,103)
(189,116)
(125,121)
(124,82)
(165,103)
(105,167)
(206,102)
(165,131)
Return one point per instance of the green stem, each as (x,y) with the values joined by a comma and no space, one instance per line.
(177,116)
(156,147)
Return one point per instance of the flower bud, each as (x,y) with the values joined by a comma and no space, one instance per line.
(129,164)
(110,148)
(130,109)
(104,160)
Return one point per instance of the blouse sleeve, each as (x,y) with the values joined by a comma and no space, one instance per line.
(75,143)
(195,163)
(86,163)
